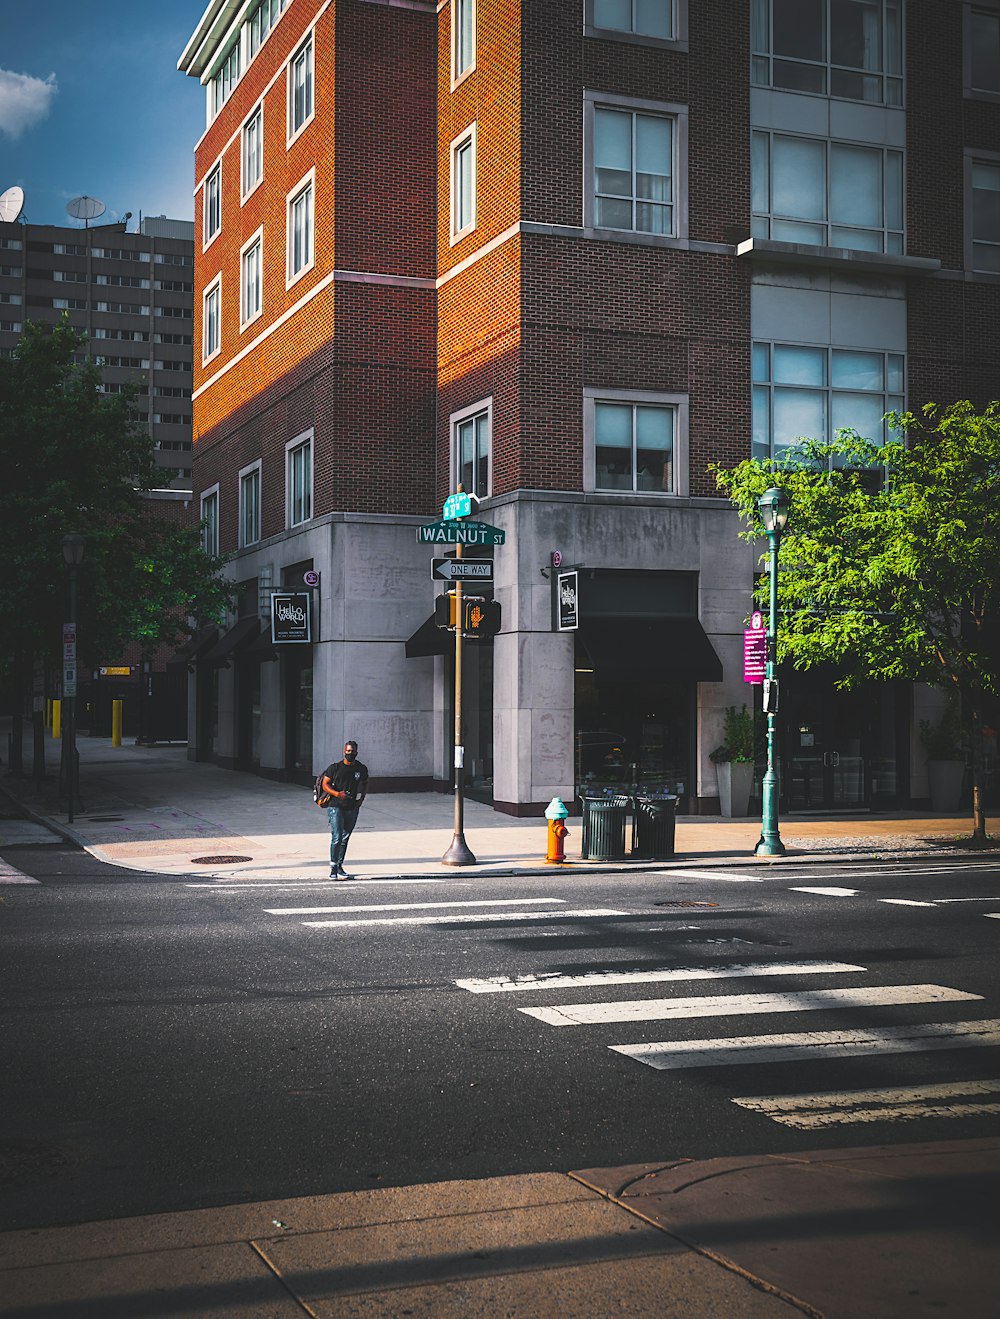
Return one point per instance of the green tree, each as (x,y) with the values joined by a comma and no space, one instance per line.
(890,563)
(76,460)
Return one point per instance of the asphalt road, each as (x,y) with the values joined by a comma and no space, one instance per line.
(171,1045)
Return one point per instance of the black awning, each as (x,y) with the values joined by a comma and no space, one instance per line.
(429,640)
(262,648)
(194,648)
(648,648)
(235,640)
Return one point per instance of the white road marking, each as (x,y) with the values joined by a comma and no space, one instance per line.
(905,902)
(236,886)
(552,980)
(892,1104)
(11,875)
(992,915)
(829,892)
(939,901)
(471,916)
(722,1005)
(815,1046)
(404,906)
(726,875)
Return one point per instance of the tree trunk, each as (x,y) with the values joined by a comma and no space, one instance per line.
(978,812)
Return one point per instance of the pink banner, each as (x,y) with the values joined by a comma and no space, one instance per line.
(754,655)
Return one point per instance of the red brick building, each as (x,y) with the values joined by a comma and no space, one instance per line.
(568,254)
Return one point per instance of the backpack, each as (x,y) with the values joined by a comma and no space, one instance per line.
(320,797)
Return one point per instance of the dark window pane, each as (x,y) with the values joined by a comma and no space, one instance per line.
(799,29)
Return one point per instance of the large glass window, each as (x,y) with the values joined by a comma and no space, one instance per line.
(228,75)
(984,51)
(633,171)
(300,231)
(472,451)
(463,35)
(212,200)
(250,506)
(641,18)
(846,48)
(832,194)
(211,327)
(802,392)
(210,521)
(251,281)
(985,215)
(262,19)
(299,481)
(463,183)
(253,150)
(300,87)
(633,446)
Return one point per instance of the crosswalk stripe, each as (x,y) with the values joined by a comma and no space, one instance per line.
(828,892)
(905,902)
(891,1104)
(681,873)
(471,916)
(11,875)
(722,1005)
(814,1046)
(403,906)
(992,915)
(511,984)
(237,886)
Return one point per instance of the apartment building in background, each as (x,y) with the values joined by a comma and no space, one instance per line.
(569,255)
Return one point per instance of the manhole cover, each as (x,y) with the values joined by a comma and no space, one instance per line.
(685,904)
(104,819)
(218,860)
(24,1161)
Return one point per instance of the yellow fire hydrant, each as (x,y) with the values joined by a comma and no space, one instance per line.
(556,814)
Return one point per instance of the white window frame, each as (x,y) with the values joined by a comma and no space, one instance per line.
(305,438)
(592,395)
(678,41)
(470,9)
(465,139)
(244,473)
(984,7)
(308,46)
(306,183)
(214,174)
(972,158)
(592,101)
(483,407)
(214,289)
(248,189)
(247,313)
(210,534)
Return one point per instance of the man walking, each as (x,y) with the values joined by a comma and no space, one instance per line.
(347,782)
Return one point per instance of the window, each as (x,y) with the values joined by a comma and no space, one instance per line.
(228,75)
(212,202)
(211,327)
(250,504)
(253,151)
(640,18)
(635,153)
(803,391)
(210,521)
(634,441)
(984,215)
(833,194)
(463,38)
(471,435)
(300,88)
(300,225)
(983,52)
(298,480)
(463,184)
(845,48)
(261,21)
(251,279)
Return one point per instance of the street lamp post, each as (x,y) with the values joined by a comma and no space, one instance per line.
(774,505)
(72,548)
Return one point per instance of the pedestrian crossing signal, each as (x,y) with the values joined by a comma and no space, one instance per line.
(444,611)
(482,618)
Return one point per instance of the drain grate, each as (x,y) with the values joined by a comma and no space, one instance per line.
(685,904)
(218,860)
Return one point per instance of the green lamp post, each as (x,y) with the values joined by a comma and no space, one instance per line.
(774,505)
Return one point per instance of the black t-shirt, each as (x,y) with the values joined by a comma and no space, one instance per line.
(352,779)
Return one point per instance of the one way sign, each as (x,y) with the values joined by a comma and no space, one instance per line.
(461,570)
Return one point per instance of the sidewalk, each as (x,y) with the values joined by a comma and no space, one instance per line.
(150,808)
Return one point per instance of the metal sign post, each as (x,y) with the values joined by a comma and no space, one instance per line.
(459,853)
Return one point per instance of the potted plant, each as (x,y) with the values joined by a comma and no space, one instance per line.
(944,743)
(734,761)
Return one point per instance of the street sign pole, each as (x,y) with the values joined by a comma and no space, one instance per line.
(459,853)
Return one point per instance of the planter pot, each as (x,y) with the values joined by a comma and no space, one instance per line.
(735,782)
(945,779)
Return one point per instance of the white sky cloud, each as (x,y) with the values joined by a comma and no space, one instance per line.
(24,101)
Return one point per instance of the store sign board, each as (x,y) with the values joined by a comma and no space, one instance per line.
(291,617)
(754,655)
(567,601)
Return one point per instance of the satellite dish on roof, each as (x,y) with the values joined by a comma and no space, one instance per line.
(85,208)
(11,203)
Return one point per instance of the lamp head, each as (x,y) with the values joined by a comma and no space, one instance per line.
(774,505)
(72,548)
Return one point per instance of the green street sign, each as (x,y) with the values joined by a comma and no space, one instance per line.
(457,506)
(460,533)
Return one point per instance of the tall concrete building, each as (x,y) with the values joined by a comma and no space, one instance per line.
(568,254)
(132,293)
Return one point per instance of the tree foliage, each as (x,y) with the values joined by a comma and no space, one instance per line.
(890,563)
(75,460)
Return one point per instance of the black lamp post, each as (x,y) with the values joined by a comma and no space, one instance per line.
(774,505)
(72,548)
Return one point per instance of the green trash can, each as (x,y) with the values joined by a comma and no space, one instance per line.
(653,827)
(604,828)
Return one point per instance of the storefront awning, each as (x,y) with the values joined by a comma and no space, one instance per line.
(262,648)
(235,640)
(648,648)
(194,648)
(429,640)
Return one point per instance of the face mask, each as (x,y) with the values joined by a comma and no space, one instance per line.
(350,756)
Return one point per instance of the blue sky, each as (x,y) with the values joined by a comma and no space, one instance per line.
(91,102)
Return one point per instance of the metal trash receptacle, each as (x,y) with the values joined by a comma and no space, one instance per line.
(653,827)
(604,828)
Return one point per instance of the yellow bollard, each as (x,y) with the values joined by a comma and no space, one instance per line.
(116,723)
(56,712)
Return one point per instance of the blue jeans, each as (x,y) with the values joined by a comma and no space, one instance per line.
(342,821)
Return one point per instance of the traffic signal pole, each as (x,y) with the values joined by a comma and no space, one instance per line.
(459,853)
